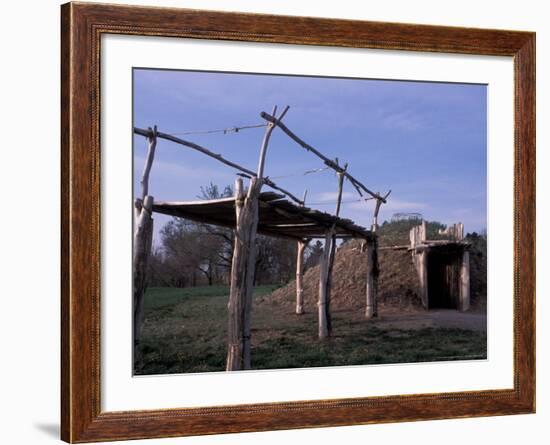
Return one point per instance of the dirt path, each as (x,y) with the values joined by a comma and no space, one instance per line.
(443,318)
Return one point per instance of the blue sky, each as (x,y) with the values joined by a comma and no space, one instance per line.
(425,141)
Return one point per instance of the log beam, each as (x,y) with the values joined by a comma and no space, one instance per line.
(247,172)
(328,162)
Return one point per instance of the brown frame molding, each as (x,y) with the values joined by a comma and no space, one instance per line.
(81,27)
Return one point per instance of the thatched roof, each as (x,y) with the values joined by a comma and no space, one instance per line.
(277,217)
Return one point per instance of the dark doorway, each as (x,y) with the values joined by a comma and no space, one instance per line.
(443,277)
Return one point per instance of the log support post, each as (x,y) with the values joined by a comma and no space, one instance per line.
(242,275)
(143,240)
(325,268)
(465,281)
(379,201)
(300,249)
(324,287)
(371,310)
(244,259)
(421,260)
(299,276)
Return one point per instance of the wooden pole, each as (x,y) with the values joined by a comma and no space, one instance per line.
(329,162)
(465,281)
(247,172)
(377,210)
(242,276)
(265,142)
(234,307)
(301,247)
(422,259)
(323,314)
(143,239)
(299,277)
(143,236)
(243,264)
(327,262)
(152,140)
(372,278)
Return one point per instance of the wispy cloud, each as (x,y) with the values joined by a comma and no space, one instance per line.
(392,133)
(396,205)
(179,171)
(333,196)
(403,120)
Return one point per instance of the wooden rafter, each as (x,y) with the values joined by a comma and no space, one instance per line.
(328,162)
(247,172)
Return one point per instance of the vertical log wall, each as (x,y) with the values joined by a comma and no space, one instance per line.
(464,292)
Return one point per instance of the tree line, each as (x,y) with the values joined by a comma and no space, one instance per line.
(196,254)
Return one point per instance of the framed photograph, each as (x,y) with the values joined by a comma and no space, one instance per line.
(274,222)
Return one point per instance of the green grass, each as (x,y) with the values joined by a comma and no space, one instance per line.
(185,331)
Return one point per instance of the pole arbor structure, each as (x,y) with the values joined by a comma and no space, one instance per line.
(246,228)
(244,259)
(143,238)
(326,266)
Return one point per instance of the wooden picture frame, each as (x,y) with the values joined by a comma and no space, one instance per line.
(82,26)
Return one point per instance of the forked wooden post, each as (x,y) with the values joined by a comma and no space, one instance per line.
(301,247)
(379,202)
(237,295)
(325,268)
(143,239)
(372,278)
(299,277)
(263,150)
(324,315)
(242,267)
(242,275)
(152,145)
(373,270)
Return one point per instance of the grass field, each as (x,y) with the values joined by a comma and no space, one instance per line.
(185,331)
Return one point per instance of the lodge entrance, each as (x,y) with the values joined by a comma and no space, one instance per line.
(443,280)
